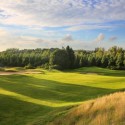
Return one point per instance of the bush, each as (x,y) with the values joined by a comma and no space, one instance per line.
(56,67)
(29,66)
(2,69)
(112,67)
(45,66)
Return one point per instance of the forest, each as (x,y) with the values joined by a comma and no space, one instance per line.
(64,58)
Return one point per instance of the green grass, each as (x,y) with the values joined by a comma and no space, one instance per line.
(37,98)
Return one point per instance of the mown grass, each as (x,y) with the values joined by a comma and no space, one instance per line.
(35,99)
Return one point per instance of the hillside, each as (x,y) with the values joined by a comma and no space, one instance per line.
(34,97)
(108,110)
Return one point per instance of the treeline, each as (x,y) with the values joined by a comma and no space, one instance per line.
(65,58)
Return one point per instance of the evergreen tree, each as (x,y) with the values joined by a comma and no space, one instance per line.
(71,57)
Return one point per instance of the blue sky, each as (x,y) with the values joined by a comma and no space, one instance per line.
(82,24)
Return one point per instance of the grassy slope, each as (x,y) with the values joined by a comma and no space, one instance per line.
(34,98)
(107,110)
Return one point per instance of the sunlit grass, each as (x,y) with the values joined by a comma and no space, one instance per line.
(33,100)
(96,77)
(34,97)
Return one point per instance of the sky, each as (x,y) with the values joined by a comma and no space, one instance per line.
(81,24)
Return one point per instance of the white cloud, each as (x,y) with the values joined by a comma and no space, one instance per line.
(100,37)
(3,33)
(7,40)
(89,27)
(67,38)
(60,12)
(113,38)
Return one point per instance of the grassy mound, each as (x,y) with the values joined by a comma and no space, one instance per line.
(35,99)
(108,110)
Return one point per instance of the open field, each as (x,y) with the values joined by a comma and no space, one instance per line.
(36,98)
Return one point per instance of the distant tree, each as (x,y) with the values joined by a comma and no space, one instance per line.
(99,54)
(120,58)
(104,61)
(112,57)
(77,62)
(71,57)
(65,58)
(59,58)
(91,60)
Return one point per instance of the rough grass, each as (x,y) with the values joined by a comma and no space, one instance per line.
(108,110)
(36,99)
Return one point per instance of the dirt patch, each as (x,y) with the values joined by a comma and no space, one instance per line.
(92,73)
(33,73)
(19,73)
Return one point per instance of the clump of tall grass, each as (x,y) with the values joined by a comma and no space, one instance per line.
(108,110)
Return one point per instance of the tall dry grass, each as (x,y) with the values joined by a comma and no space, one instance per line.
(108,110)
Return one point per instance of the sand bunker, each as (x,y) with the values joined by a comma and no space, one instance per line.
(19,73)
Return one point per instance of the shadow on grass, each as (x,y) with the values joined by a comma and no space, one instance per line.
(16,112)
(24,98)
(50,91)
(99,71)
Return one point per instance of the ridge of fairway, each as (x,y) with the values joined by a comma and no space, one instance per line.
(33,100)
